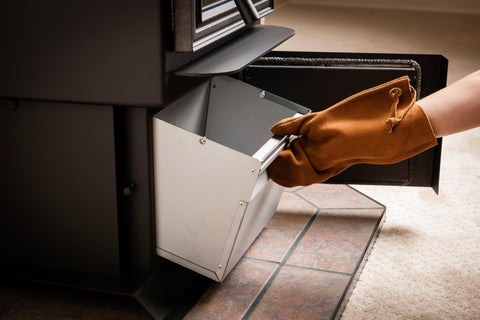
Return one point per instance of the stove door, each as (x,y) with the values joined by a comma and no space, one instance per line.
(319,80)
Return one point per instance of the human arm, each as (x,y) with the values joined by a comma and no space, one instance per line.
(456,107)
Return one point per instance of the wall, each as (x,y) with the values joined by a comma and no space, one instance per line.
(280,3)
(456,6)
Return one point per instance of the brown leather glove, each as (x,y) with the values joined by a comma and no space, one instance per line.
(381,125)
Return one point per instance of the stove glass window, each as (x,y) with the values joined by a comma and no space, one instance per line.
(212,8)
(201,23)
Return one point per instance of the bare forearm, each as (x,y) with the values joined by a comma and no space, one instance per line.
(455,108)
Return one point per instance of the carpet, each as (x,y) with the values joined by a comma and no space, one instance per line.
(425,263)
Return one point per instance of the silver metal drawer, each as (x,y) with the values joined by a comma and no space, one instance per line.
(212,192)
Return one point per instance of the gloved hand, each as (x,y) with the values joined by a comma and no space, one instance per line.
(381,125)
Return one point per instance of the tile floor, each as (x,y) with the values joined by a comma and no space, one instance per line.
(302,266)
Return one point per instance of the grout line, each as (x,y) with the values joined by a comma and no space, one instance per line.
(319,269)
(366,196)
(359,267)
(298,189)
(12,306)
(308,201)
(251,309)
(341,208)
(269,282)
(341,304)
(260,259)
(346,208)
(261,293)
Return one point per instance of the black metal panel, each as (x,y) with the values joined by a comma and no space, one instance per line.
(135,189)
(319,80)
(171,291)
(66,169)
(90,51)
(238,53)
(58,192)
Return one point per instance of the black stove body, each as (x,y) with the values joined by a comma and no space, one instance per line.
(80,83)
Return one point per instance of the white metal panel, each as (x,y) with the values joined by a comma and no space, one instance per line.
(198,188)
(261,208)
(228,249)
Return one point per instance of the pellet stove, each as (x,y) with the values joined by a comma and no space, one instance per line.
(135,138)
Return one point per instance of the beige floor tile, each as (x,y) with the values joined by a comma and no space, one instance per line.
(336,196)
(283,229)
(298,293)
(337,239)
(232,298)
